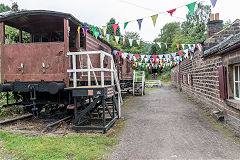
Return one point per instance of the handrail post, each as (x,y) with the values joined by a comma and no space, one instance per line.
(133,81)
(112,79)
(74,71)
(101,66)
(89,73)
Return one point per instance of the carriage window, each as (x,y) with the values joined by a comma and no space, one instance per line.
(72,40)
(45,37)
(57,37)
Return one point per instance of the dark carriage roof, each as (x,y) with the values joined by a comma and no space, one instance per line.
(34,21)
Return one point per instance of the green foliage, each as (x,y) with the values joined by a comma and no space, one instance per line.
(194,28)
(4,8)
(167,34)
(227,23)
(67,147)
(165,77)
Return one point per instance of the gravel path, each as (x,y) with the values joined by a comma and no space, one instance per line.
(164,125)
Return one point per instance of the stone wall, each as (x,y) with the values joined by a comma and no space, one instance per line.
(199,77)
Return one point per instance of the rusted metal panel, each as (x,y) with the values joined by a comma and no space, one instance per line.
(34,62)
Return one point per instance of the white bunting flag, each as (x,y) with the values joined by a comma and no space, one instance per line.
(130,41)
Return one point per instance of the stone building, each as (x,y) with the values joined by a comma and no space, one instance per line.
(213,74)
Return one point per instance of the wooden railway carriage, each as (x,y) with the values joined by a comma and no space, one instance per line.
(36,72)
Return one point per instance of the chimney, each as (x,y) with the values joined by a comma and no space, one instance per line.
(14,7)
(214,25)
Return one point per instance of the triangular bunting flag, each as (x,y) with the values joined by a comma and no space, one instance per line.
(177,46)
(148,57)
(130,56)
(138,42)
(125,24)
(107,36)
(173,55)
(84,30)
(96,34)
(78,30)
(104,30)
(191,7)
(180,53)
(160,56)
(94,30)
(100,34)
(171,11)
(213,2)
(136,56)
(189,45)
(154,19)
(130,41)
(123,41)
(183,46)
(192,49)
(115,28)
(120,54)
(186,51)
(139,23)
(116,39)
(115,52)
(159,44)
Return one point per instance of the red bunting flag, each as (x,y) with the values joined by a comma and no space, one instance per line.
(115,28)
(120,53)
(136,56)
(171,11)
(180,53)
(154,57)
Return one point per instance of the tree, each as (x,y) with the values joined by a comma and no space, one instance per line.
(110,29)
(194,28)
(12,34)
(4,8)
(167,34)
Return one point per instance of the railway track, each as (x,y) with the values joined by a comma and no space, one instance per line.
(22,117)
(56,124)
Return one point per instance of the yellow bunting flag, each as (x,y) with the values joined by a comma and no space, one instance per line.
(154,19)
(116,39)
(104,30)
(78,30)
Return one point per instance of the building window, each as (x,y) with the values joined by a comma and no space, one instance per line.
(236,77)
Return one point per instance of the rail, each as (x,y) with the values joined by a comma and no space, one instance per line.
(90,68)
(152,83)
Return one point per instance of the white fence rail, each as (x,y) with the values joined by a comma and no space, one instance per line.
(153,83)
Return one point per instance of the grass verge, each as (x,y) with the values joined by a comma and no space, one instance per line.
(68,147)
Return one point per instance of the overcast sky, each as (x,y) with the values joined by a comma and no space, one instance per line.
(98,12)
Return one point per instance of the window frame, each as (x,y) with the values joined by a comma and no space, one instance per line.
(234,81)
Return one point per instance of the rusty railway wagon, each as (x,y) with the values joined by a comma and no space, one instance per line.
(59,67)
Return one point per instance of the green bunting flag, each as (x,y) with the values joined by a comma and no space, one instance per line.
(94,30)
(191,7)
(125,24)
(96,34)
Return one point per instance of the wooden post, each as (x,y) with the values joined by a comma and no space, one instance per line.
(20,36)
(66,49)
(78,41)
(31,38)
(2,42)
